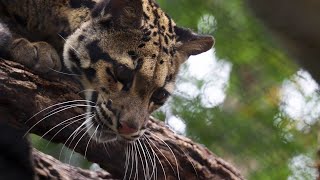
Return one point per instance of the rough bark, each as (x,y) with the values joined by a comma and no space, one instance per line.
(46,167)
(23,94)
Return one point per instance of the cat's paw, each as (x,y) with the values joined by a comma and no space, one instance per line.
(38,56)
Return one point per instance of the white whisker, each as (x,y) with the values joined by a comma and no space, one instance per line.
(63,129)
(75,133)
(174,156)
(142,162)
(126,164)
(64,73)
(88,129)
(106,149)
(94,133)
(58,104)
(53,113)
(147,172)
(152,161)
(149,141)
(69,44)
(132,160)
(65,122)
(137,164)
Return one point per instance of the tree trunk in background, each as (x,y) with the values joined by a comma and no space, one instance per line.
(296,25)
(23,94)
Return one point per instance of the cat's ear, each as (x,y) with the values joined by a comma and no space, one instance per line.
(190,43)
(119,13)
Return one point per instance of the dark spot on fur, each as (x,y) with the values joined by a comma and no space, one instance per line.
(146,16)
(154,56)
(151,26)
(74,58)
(90,73)
(111,74)
(161,62)
(94,97)
(106,117)
(155,33)
(156,20)
(106,23)
(170,23)
(139,64)
(166,40)
(172,53)
(146,38)
(174,50)
(81,38)
(127,87)
(165,50)
(169,78)
(104,90)
(156,43)
(133,55)
(96,53)
(148,33)
(141,45)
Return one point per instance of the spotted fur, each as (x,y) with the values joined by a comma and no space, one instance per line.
(127,54)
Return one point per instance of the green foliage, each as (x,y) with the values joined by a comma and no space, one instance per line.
(243,128)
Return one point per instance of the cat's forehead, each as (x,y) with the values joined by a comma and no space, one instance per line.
(151,47)
(158,27)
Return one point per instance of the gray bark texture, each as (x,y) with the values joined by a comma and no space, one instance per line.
(23,94)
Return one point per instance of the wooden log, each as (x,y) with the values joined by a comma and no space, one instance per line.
(23,94)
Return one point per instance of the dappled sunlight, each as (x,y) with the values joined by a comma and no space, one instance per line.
(301,167)
(300,100)
(207,24)
(214,76)
(177,124)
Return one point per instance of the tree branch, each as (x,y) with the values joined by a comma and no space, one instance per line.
(23,94)
(47,167)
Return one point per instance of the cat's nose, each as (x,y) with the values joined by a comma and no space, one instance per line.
(127,128)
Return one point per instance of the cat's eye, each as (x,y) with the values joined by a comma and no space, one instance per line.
(124,75)
(160,96)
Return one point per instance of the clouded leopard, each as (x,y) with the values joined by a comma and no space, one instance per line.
(127,54)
